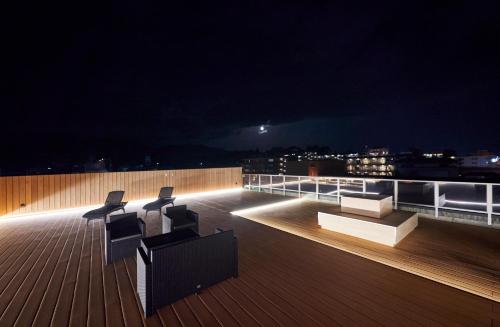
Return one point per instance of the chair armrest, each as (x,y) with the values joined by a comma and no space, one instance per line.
(107,243)
(143,256)
(236,271)
(123,204)
(142,226)
(192,215)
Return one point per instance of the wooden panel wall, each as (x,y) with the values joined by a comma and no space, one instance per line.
(29,194)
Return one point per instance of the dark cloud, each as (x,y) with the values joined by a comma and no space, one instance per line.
(178,74)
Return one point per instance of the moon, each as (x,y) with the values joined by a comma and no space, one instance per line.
(262,129)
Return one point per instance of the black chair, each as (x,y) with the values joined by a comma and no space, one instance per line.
(179,217)
(164,198)
(174,265)
(122,236)
(112,204)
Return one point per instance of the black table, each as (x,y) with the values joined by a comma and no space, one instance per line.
(168,239)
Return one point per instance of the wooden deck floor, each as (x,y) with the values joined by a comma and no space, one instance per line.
(52,273)
(462,256)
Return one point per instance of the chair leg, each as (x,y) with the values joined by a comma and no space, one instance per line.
(123,210)
(88,221)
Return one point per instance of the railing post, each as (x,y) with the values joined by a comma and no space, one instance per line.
(299,187)
(259,184)
(396,194)
(317,189)
(284,185)
(364,186)
(436,199)
(338,190)
(489,202)
(250,182)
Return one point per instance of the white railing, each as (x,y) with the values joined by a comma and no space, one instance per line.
(482,198)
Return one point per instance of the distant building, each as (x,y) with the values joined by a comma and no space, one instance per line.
(415,164)
(481,165)
(95,165)
(479,160)
(433,155)
(427,168)
(331,167)
(272,166)
(375,162)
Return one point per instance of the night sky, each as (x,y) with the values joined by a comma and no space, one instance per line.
(102,75)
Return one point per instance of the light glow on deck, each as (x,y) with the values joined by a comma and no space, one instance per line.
(131,203)
(208,193)
(266,207)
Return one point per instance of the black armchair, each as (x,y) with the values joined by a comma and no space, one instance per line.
(164,198)
(122,235)
(112,204)
(184,263)
(179,217)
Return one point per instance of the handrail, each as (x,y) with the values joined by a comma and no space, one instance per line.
(438,202)
(382,179)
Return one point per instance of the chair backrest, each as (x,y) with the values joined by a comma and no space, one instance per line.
(177,211)
(123,225)
(187,267)
(166,192)
(114,198)
(123,217)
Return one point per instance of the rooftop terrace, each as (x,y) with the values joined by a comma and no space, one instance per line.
(52,272)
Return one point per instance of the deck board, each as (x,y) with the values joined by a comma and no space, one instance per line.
(202,313)
(96,315)
(112,303)
(21,310)
(168,317)
(79,306)
(10,305)
(62,312)
(285,280)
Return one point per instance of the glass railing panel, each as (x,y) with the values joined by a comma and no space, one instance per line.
(350,186)
(292,186)
(383,187)
(496,199)
(327,189)
(265,183)
(327,186)
(462,196)
(277,184)
(415,192)
(252,182)
(307,185)
(246,181)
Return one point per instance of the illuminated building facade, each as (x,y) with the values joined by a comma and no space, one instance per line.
(375,162)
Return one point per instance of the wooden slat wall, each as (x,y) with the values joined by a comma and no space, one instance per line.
(29,194)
